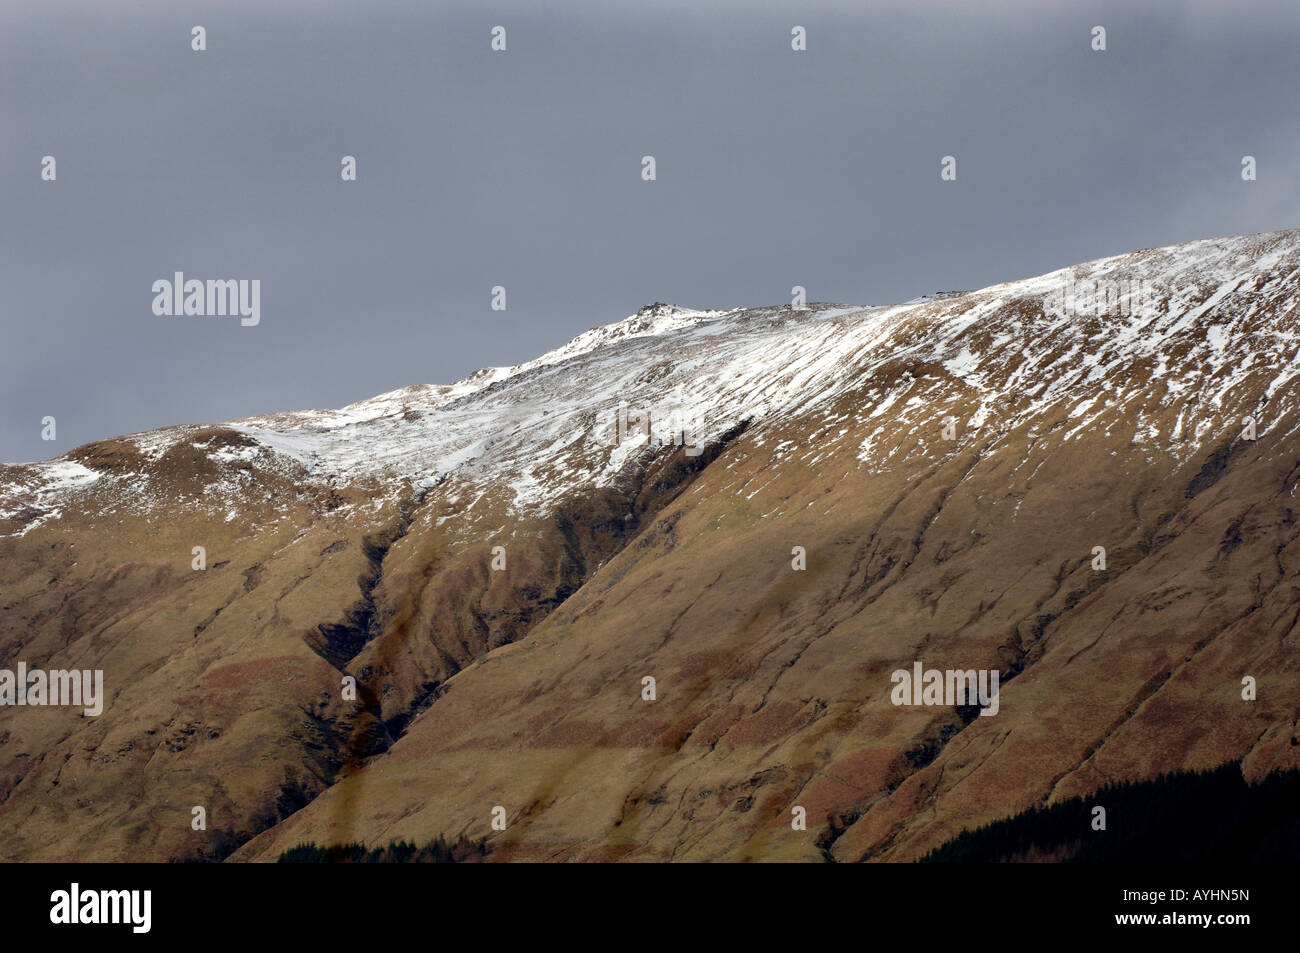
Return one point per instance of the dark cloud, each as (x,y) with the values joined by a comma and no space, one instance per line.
(522,169)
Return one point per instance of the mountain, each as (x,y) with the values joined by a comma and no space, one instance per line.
(948,468)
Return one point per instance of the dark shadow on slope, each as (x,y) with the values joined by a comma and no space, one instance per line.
(339,643)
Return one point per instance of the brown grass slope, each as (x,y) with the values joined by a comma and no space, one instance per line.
(225,685)
(773,685)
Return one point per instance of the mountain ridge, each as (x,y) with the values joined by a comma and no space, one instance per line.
(321,438)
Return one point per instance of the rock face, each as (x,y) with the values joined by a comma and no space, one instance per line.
(499,573)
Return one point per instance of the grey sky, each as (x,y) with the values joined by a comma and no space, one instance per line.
(522,169)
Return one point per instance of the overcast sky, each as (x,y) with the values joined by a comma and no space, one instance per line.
(523,169)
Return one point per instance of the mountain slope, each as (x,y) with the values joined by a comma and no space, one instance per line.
(1101,405)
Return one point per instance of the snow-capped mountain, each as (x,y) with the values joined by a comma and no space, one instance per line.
(1083,481)
(1201,325)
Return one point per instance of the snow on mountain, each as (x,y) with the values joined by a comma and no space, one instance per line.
(1210,326)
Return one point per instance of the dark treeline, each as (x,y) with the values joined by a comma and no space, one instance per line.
(438,851)
(1176,818)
